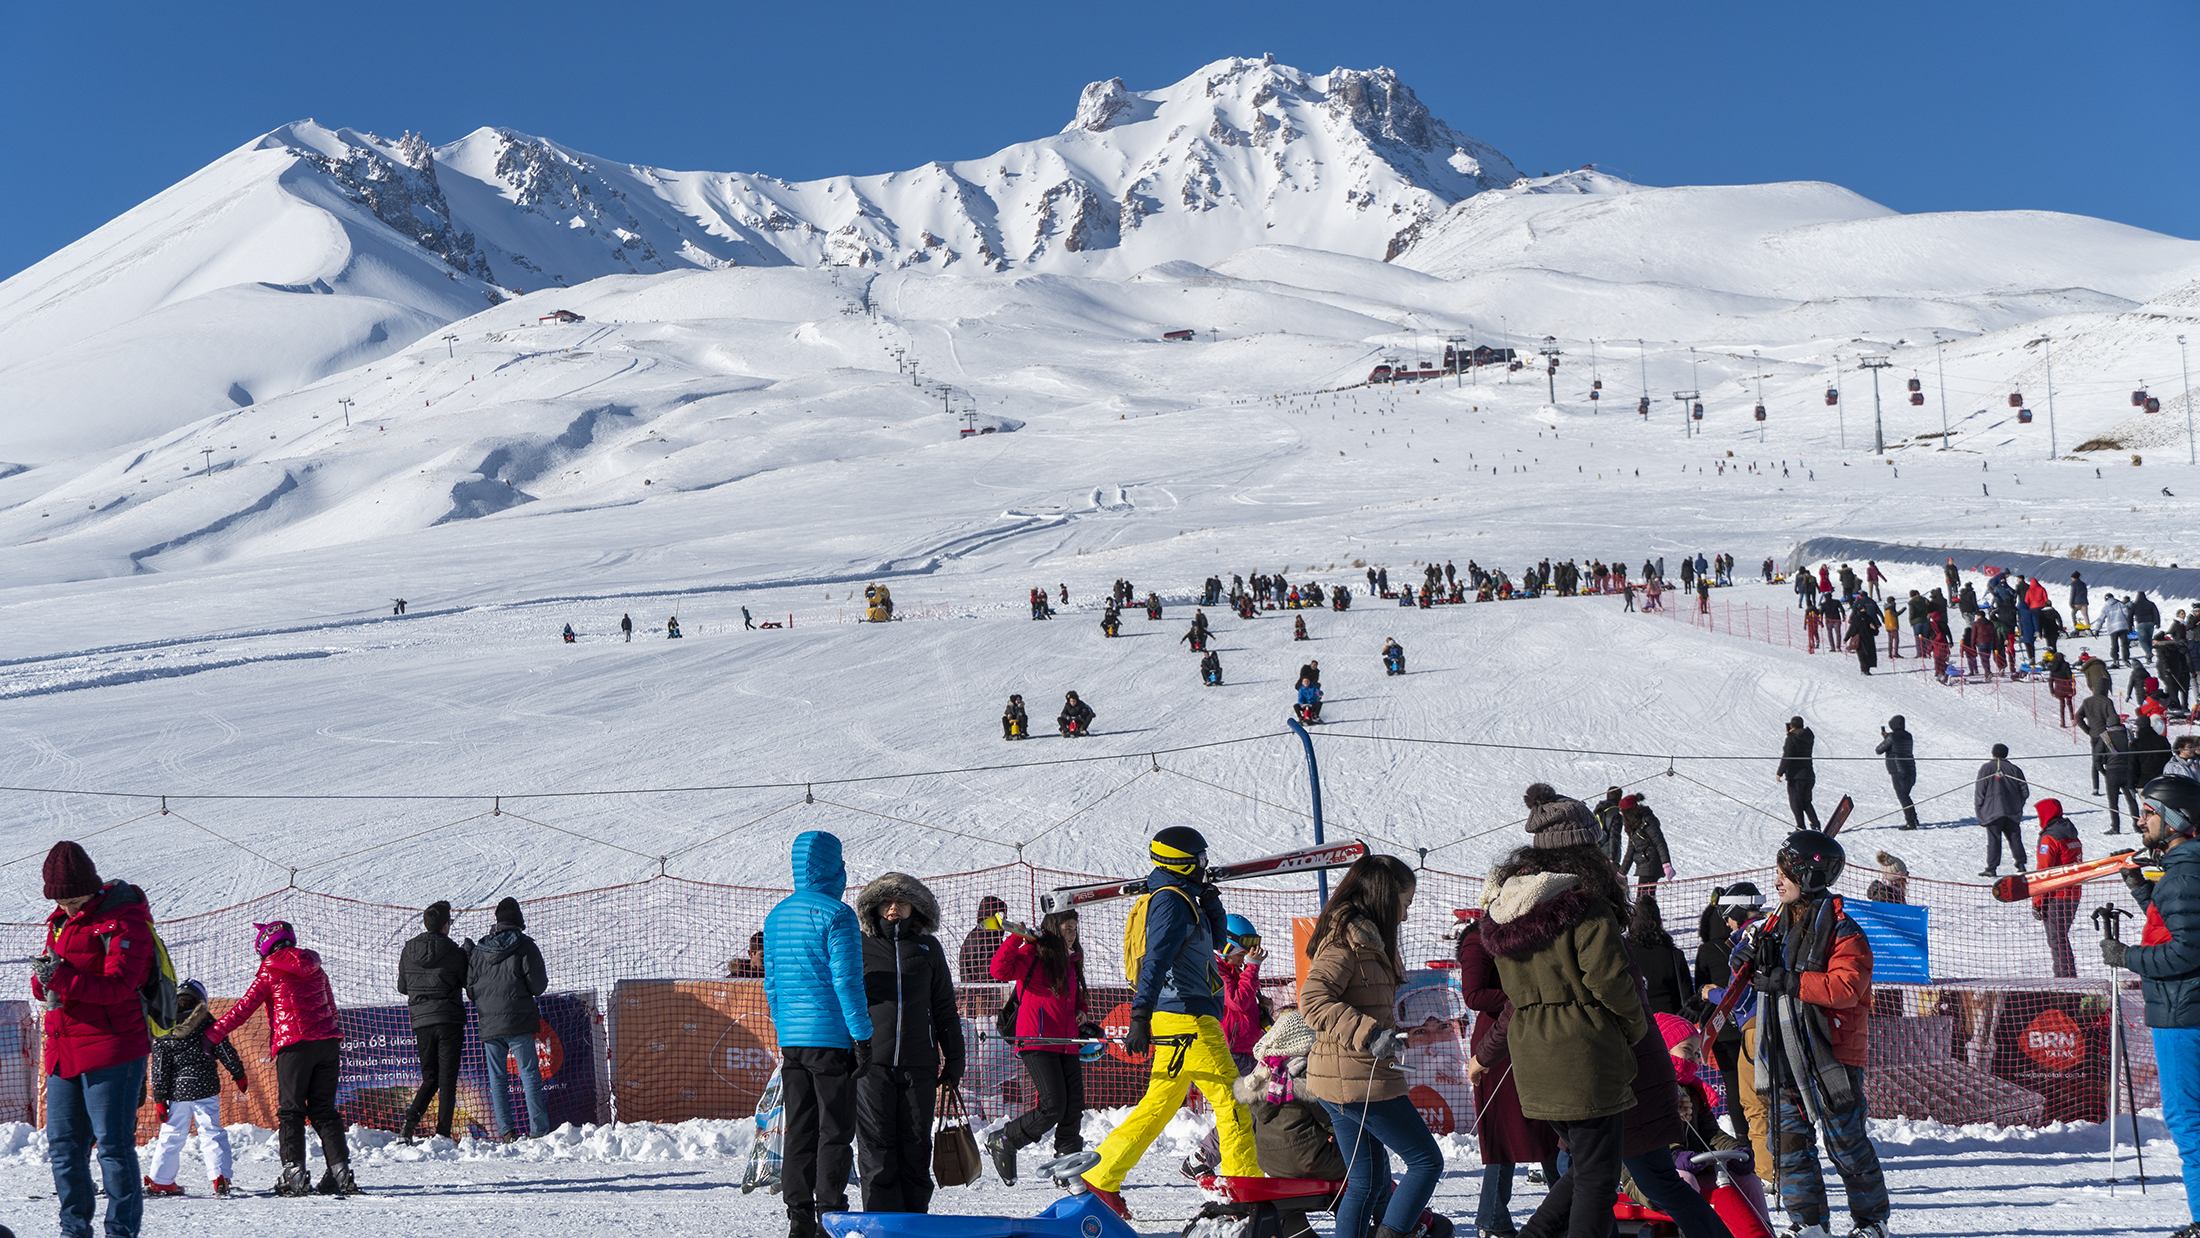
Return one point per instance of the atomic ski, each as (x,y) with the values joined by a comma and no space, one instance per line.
(1306,859)
(1840,816)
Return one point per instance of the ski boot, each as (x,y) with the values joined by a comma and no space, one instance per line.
(161,1188)
(1870,1229)
(1002,1156)
(295,1181)
(222,1188)
(338,1177)
(407,1135)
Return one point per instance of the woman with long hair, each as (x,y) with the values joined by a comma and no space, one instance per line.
(1663,965)
(1049,974)
(1352,978)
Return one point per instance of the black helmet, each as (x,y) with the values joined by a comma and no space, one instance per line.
(1180,849)
(1740,901)
(1813,859)
(2177,798)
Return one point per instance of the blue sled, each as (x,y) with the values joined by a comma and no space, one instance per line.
(1073,1216)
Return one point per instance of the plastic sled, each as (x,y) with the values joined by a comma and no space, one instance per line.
(1245,1207)
(1073,1216)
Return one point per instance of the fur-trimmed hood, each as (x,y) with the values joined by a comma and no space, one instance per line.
(1527,912)
(887,888)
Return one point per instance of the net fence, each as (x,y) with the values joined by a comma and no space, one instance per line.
(656,1014)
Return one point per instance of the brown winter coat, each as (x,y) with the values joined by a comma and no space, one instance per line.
(1350,983)
(1577,1008)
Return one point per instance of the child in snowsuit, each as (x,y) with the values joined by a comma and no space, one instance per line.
(187,1088)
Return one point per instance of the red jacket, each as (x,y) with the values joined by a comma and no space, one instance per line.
(1038,1012)
(106,953)
(2035,596)
(1240,1004)
(1844,988)
(300,1004)
(2059,845)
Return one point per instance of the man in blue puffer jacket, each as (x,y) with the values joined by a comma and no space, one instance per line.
(2168,962)
(813,978)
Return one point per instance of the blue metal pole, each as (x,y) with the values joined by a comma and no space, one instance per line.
(1314,781)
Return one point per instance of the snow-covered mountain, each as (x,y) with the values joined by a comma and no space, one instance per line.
(311,250)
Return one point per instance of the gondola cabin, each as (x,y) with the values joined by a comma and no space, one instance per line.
(1643,406)
(2016,399)
(1697,412)
(1917,397)
(2024,416)
(1760,412)
(1915,385)
(1833,397)
(2139,398)
(2154,404)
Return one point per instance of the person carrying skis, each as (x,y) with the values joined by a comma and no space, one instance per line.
(1048,971)
(813,982)
(916,1042)
(1075,718)
(1177,1005)
(1015,723)
(1813,976)
(187,1089)
(302,1031)
(1998,800)
(1899,747)
(2056,909)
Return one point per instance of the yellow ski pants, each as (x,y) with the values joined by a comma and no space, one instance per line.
(1207,1062)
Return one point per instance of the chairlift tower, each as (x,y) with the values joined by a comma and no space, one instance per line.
(1462,358)
(2184,363)
(1687,401)
(1876,362)
(346,402)
(1753,356)
(2050,395)
(1940,350)
(1551,354)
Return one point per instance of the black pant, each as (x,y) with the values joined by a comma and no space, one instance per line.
(1058,1079)
(441,1048)
(1998,829)
(894,1139)
(1580,1204)
(305,1090)
(821,1119)
(2056,914)
(1799,789)
(1727,1053)
(1903,784)
(2121,787)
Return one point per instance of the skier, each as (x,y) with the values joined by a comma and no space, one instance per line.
(916,1042)
(186,1089)
(1210,669)
(1796,768)
(1353,973)
(1015,723)
(1177,1005)
(1998,798)
(1394,657)
(1050,1001)
(1899,747)
(1309,707)
(1813,980)
(431,973)
(2056,909)
(626,625)
(2168,963)
(813,981)
(302,1031)
(1075,718)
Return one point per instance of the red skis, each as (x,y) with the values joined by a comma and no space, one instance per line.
(1306,859)
(2017,888)
(1840,817)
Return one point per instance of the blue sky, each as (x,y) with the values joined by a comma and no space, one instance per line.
(1950,106)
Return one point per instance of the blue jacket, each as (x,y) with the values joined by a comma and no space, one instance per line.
(2170,972)
(813,954)
(1311,694)
(1178,973)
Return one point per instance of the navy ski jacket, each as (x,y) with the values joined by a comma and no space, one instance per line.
(1178,972)
(2170,972)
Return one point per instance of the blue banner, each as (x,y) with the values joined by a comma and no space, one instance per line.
(1897,932)
(381,1067)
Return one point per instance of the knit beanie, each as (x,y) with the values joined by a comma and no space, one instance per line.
(69,872)
(1561,822)
(508,913)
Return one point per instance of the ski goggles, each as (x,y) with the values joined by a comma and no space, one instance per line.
(1180,862)
(1246,941)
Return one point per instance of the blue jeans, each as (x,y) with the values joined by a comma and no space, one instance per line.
(2177,1057)
(1366,1135)
(1661,1184)
(96,1105)
(519,1049)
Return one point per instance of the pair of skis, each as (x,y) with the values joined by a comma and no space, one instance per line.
(1737,984)
(1303,860)
(2021,886)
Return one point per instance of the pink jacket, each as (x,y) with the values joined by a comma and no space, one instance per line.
(1240,1004)
(300,1004)
(1038,1012)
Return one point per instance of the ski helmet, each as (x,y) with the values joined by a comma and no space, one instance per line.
(1740,901)
(1180,849)
(1238,927)
(1813,859)
(2177,798)
(273,936)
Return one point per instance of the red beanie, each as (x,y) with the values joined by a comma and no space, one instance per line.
(69,872)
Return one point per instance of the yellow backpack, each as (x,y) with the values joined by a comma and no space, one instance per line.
(1134,940)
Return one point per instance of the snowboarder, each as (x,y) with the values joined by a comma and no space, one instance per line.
(1015,724)
(1813,980)
(1176,1005)
(1797,770)
(1075,718)
(1998,798)
(302,1031)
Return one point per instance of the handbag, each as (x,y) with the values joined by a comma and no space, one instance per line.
(955,1160)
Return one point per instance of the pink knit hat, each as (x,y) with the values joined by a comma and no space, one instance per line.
(1675,1029)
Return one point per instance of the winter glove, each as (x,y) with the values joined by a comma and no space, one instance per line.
(860,1063)
(1387,1042)
(1140,1037)
(951,1075)
(2039,911)
(1092,1031)
(1668,872)
(243,1088)
(43,967)
(2113,951)
(160,1110)
(1775,982)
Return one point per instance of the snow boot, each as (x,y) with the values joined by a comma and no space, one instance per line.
(161,1188)
(802,1223)
(338,1177)
(295,1181)
(1002,1156)
(1113,1199)
(1869,1229)
(408,1134)
(222,1187)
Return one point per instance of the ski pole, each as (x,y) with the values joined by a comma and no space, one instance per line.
(2109,918)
